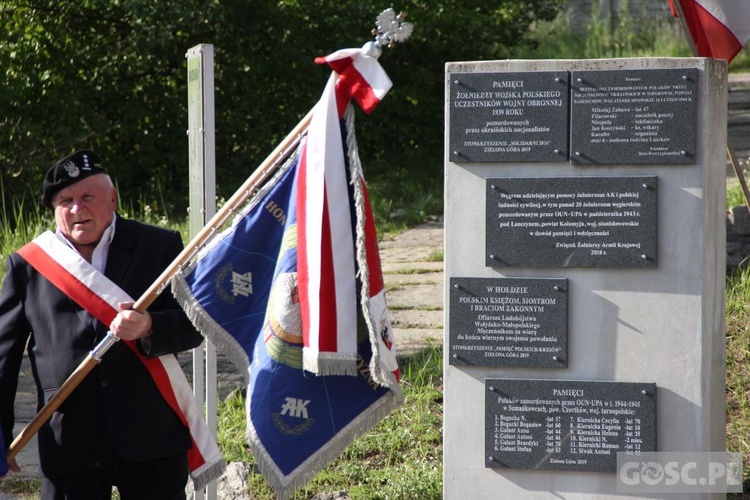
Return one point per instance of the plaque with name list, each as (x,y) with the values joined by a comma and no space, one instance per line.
(644,116)
(501,117)
(571,222)
(566,425)
(509,322)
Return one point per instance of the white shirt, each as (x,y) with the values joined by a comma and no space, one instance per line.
(99,257)
(101,252)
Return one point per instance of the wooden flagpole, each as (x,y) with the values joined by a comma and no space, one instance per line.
(730,152)
(212,226)
(738,173)
(227,210)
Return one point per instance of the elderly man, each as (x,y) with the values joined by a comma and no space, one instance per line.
(116,428)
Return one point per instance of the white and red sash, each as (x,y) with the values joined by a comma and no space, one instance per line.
(96,293)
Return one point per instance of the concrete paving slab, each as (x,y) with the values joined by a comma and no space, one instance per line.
(396,281)
(409,341)
(419,296)
(415,319)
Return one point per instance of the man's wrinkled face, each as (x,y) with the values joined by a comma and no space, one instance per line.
(84,210)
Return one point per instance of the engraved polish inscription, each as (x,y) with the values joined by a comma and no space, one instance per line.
(508,322)
(567,425)
(571,222)
(499,117)
(634,116)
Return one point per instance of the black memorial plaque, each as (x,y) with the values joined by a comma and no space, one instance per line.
(634,116)
(566,425)
(498,117)
(571,222)
(509,322)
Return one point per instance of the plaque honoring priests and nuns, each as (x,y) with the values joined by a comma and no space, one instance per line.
(500,117)
(509,322)
(566,425)
(571,222)
(634,116)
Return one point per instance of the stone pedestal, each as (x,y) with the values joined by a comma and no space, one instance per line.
(660,323)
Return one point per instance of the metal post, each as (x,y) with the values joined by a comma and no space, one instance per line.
(202,167)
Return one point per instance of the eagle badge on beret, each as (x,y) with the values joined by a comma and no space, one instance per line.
(71,169)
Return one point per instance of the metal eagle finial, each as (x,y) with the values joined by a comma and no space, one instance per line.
(389,29)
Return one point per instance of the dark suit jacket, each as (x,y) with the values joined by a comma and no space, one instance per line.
(117,408)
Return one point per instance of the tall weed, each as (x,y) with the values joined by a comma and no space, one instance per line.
(738,367)
(19,225)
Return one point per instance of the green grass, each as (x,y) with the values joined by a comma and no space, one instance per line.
(737,317)
(19,225)
(738,368)
(435,256)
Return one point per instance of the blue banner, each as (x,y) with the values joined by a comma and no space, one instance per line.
(242,293)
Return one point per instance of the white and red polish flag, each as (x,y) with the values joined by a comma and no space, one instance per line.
(337,244)
(719,28)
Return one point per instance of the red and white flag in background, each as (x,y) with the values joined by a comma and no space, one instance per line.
(719,28)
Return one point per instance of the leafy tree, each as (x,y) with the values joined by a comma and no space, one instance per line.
(110,75)
(97,74)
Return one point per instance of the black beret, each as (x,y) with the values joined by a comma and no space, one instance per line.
(69,170)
